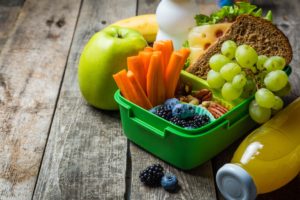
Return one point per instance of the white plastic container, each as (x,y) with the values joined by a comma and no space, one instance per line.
(175,18)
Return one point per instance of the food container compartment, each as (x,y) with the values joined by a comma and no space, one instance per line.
(185,148)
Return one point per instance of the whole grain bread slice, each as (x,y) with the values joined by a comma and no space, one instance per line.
(257,32)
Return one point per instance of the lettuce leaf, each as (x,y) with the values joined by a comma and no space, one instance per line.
(229,13)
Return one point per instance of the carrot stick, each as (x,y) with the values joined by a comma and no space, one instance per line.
(185,53)
(145,57)
(172,73)
(122,83)
(143,100)
(155,80)
(168,49)
(148,49)
(158,46)
(135,64)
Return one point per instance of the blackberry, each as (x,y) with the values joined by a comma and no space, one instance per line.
(178,121)
(198,121)
(152,175)
(164,112)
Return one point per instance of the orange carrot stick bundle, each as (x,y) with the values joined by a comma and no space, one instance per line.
(148,49)
(135,64)
(172,73)
(166,47)
(145,57)
(143,100)
(124,85)
(155,80)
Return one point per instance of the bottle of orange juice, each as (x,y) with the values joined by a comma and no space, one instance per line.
(266,160)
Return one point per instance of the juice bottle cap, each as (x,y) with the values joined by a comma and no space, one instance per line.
(235,183)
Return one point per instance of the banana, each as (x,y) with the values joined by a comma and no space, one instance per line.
(145,24)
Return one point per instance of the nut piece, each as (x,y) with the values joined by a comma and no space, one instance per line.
(194,101)
(215,108)
(203,95)
(184,99)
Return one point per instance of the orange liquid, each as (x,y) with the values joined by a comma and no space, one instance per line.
(271,154)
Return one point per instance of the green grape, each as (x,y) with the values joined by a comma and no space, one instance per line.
(239,81)
(259,114)
(284,91)
(260,62)
(228,49)
(246,56)
(278,103)
(217,61)
(276,80)
(214,79)
(244,73)
(249,88)
(280,61)
(253,69)
(229,70)
(274,63)
(230,93)
(265,98)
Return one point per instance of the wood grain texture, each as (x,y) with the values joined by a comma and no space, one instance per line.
(287,18)
(9,12)
(195,184)
(31,68)
(85,156)
(147,6)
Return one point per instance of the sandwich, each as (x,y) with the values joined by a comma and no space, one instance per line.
(242,23)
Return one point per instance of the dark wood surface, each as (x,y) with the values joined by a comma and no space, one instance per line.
(52,144)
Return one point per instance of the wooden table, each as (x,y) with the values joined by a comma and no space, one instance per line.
(52,144)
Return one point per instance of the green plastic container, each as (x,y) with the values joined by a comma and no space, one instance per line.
(185,148)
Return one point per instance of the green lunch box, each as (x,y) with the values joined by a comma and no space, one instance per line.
(186,148)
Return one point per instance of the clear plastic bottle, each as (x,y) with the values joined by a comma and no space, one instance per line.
(266,160)
(175,18)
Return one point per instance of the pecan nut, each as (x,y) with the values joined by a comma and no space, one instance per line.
(203,95)
(215,108)
(215,112)
(207,97)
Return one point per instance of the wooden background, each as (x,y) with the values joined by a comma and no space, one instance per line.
(52,144)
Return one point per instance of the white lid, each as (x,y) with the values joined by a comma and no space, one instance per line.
(235,183)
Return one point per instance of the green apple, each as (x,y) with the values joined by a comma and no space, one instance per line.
(104,55)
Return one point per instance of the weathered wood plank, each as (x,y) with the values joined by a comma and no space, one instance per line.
(195,184)
(85,156)
(9,12)
(287,18)
(147,6)
(31,67)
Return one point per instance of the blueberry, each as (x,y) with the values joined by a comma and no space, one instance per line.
(170,103)
(169,182)
(183,110)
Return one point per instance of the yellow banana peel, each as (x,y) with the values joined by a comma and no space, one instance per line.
(145,24)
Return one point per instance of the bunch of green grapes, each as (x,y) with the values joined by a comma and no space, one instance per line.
(240,72)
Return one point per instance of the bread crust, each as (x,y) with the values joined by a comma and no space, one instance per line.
(257,32)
